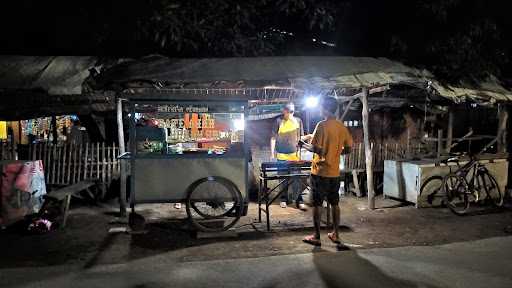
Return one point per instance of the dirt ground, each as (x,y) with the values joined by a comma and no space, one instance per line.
(86,240)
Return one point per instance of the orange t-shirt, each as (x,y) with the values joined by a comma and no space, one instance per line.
(330,136)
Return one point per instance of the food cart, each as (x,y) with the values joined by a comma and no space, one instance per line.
(190,149)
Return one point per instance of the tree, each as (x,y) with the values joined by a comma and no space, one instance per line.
(455,39)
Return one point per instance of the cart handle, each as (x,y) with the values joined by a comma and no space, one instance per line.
(125,155)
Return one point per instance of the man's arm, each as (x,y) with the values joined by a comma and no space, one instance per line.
(275,130)
(311,148)
(347,143)
(316,138)
(307,138)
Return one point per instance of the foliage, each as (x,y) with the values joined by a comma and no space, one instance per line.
(456,39)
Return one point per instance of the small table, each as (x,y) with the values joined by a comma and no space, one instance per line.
(281,171)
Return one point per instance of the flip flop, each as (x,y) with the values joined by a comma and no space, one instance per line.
(311,240)
(330,235)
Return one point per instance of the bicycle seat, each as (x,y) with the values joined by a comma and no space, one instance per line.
(450,160)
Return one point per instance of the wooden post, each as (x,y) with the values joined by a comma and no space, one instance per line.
(20,133)
(449,132)
(91,167)
(120,137)
(98,176)
(368,150)
(86,160)
(69,163)
(439,144)
(55,135)
(347,108)
(79,173)
(355,179)
(54,163)
(408,144)
(502,129)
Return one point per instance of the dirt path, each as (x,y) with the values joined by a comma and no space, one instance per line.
(86,240)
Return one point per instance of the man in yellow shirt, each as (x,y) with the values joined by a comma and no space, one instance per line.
(286,133)
(329,140)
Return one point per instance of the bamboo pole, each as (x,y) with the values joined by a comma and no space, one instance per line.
(68,163)
(86,160)
(347,108)
(65,164)
(103,164)
(48,161)
(78,176)
(368,151)
(59,166)
(54,163)
(359,164)
(98,161)
(109,163)
(91,166)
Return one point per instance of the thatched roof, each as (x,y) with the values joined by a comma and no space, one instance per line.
(62,75)
(305,73)
(341,71)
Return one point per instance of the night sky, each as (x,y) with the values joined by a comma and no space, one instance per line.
(455,39)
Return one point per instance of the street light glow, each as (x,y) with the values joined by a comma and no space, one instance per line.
(239,124)
(311,102)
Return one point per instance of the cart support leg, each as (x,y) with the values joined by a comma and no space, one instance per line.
(259,202)
(268,216)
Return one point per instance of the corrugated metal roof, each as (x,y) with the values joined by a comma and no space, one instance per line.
(65,75)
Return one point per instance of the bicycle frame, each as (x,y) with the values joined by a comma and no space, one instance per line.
(475,169)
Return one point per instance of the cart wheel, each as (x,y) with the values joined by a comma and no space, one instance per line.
(214,204)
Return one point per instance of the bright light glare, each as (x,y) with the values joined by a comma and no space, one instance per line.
(311,102)
(239,124)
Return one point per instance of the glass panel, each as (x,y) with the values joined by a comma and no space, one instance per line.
(215,129)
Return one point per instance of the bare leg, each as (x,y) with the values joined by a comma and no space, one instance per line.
(335,220)
(317,214)
(315,238)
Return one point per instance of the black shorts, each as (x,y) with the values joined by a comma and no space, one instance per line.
(325,188)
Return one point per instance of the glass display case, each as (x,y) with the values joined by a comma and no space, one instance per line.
(215,129)
(179,147)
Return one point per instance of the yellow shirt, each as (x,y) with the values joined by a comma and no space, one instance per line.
(287,126)
(330,136)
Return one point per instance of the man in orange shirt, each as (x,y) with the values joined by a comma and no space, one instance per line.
(329,140)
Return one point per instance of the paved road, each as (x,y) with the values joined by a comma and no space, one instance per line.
(484,263)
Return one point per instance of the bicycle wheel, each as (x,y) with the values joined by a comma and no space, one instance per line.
(214,204)
(489,185)
(456,193)
(431,190)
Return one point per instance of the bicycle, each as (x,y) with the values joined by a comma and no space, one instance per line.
(465,185)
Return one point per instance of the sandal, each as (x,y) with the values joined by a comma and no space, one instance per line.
(312,240)
(331,237)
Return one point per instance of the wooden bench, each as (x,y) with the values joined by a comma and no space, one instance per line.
(64,195)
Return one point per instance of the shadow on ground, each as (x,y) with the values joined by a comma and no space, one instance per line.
(86,241)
